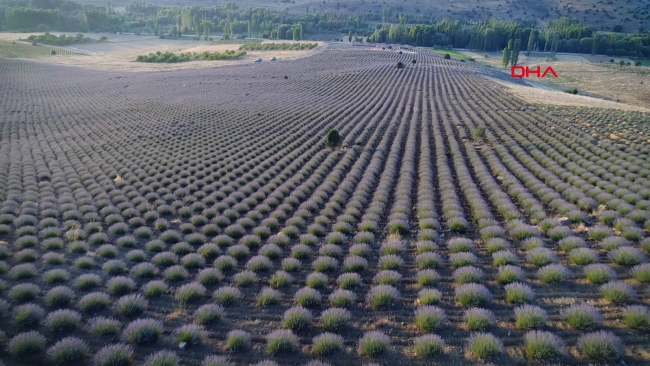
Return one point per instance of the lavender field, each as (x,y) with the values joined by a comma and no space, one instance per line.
(455,224)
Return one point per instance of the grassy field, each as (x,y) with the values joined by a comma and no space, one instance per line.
(452,53)
(200,217)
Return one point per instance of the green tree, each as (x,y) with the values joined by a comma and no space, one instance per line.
(531,42)
(173,31)
(505,60)
(197,25)
(514,57)
(350,36)
(250,29)
(206,29)
(333,139)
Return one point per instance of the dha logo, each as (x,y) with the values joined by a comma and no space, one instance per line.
(525,72)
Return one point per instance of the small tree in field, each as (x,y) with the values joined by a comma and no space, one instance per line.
(447,56)
(333,138)
(399,65)
(479,133)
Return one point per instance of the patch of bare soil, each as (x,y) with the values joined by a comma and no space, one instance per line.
(120,51)
(544,96)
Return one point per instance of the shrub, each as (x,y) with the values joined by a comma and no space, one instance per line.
(626,256)
(503,257)
(541,345)
(290,264)
(373,343)
(399,65)
(238,340)
(104,326)
(68,350)
(495,245)
(268,296)
(540,257)
(458,245)
(225,262)
(208,313)
(154,288)
(617,292)
(191,334)
(478,318)
(281,341)
(382,296)
(600,345)
(215,360)
(457,224)
(176,273)
(613,242)
(144,270)
(130,305)
(114,267)
(143,331)
(62,320)
(641,273)
(307,297)
(333,138)
(326,343)
(162,358)
(387,278)
(468,274)
(324,264)
(113,355)
(27,343)
(193,260)
(599,232)
(599,273)
(209,276)
(427,277)
(484,345)
(636,316)
(316,280)
(23,271)
(349,280)
(559,232)
(28,314)
(355,263)
(428,297)
(342,298)
(572,242)
(137,256)
(297,318)
(120,285)
(462,259)
(428,260)
(530,317)
(429,318)
(428,345)
(190,292)
(553,273)
(582,316)
(583,256)
(335,318)
(59,296)
(472,294)
(517,293)
(508,274)
(226,295)
(94,301)
(24,292)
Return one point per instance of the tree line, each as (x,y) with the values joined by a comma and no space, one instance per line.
(170,57)
(232,21)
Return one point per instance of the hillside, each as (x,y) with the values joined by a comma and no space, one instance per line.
(603,15)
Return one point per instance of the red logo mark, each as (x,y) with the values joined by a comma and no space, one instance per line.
(525,72)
